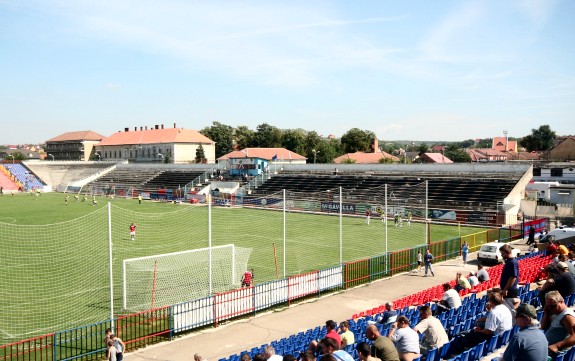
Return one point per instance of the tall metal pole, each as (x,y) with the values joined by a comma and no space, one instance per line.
(385,212)
(210,241)
(426,214)
(284,234)
(340,225)
(110,266)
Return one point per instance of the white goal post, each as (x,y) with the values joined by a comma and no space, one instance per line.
(171,278)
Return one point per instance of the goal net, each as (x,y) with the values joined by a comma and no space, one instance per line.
(171,278)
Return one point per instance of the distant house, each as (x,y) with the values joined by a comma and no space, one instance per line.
(564,151)
(503,144)
(254,161)
(72,145)
(486,155)
(524,156)
(432,158)
(157,144)
(438,148)
(365,158)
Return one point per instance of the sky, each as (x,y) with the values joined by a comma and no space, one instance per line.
(405,70)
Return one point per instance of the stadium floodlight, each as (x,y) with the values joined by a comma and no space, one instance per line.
(98,155)
(314,154)
(161,155)
(11,155)
(51,155)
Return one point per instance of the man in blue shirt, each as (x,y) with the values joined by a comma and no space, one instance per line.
(510,274)
(529,344)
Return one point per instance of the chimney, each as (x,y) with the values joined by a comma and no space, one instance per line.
(126,129)
(162,126)
(135,129)
(157,127)
(174,125)
(375,145)
(141,128)
(146,127)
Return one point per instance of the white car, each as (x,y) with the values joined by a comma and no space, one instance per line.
(489,252)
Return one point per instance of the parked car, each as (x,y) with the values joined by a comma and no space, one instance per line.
(489,252)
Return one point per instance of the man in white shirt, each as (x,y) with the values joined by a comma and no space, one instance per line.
(434,335)
(473,280)
(449,300)
(499,320)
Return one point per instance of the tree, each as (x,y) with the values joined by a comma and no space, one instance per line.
(423,148)
(539,139)
(267,136)
(244,137)
(484,143)
(294,140)
(357,140)
(200,155)
(457,154)
(223,136)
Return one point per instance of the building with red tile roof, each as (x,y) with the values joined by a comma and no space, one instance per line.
(365,158)
(77,145)
(503,144)
(433,158)
(157,144)
(486,155)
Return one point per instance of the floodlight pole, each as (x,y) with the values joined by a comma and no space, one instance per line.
(340,225)
(284,233)
(209,198)
(385,216)
(110,266)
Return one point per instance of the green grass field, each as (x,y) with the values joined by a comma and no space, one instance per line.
(55,273)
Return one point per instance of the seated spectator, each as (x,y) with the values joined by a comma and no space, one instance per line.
(246,357)
(498,320)
(330,327)
(259,357)
(434,335)
(450,299)
(364,352)
(289,358)
(329,346)
(482,274)
(529,344)
(551,248)
(406,339)
(382,347)
(561,249)
(558,322)
(473,280)
(306,356)
(564,258)
(461,283)
(347,337)
(559,279)
(389,316)
(270,354)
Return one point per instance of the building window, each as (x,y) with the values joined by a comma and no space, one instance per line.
(556,172)
(537,172)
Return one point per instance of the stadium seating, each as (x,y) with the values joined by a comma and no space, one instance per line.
(27,178)
(172,179)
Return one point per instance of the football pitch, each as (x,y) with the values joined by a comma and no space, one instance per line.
(55,256)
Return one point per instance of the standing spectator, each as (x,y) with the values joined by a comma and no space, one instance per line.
(531,235)
(464,251)
(529,344)
(450,299)
(364,352)
(405,338)
(120,347)
(434,335)
(382,347)
(270,354)
(482,274)
(112,351)
(560,279)
(510,274)
(558,322)
(428,260)
(419,261)
(347,337)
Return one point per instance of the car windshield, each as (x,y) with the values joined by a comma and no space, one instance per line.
(491,249)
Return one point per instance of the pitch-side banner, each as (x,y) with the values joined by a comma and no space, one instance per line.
(334,207)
